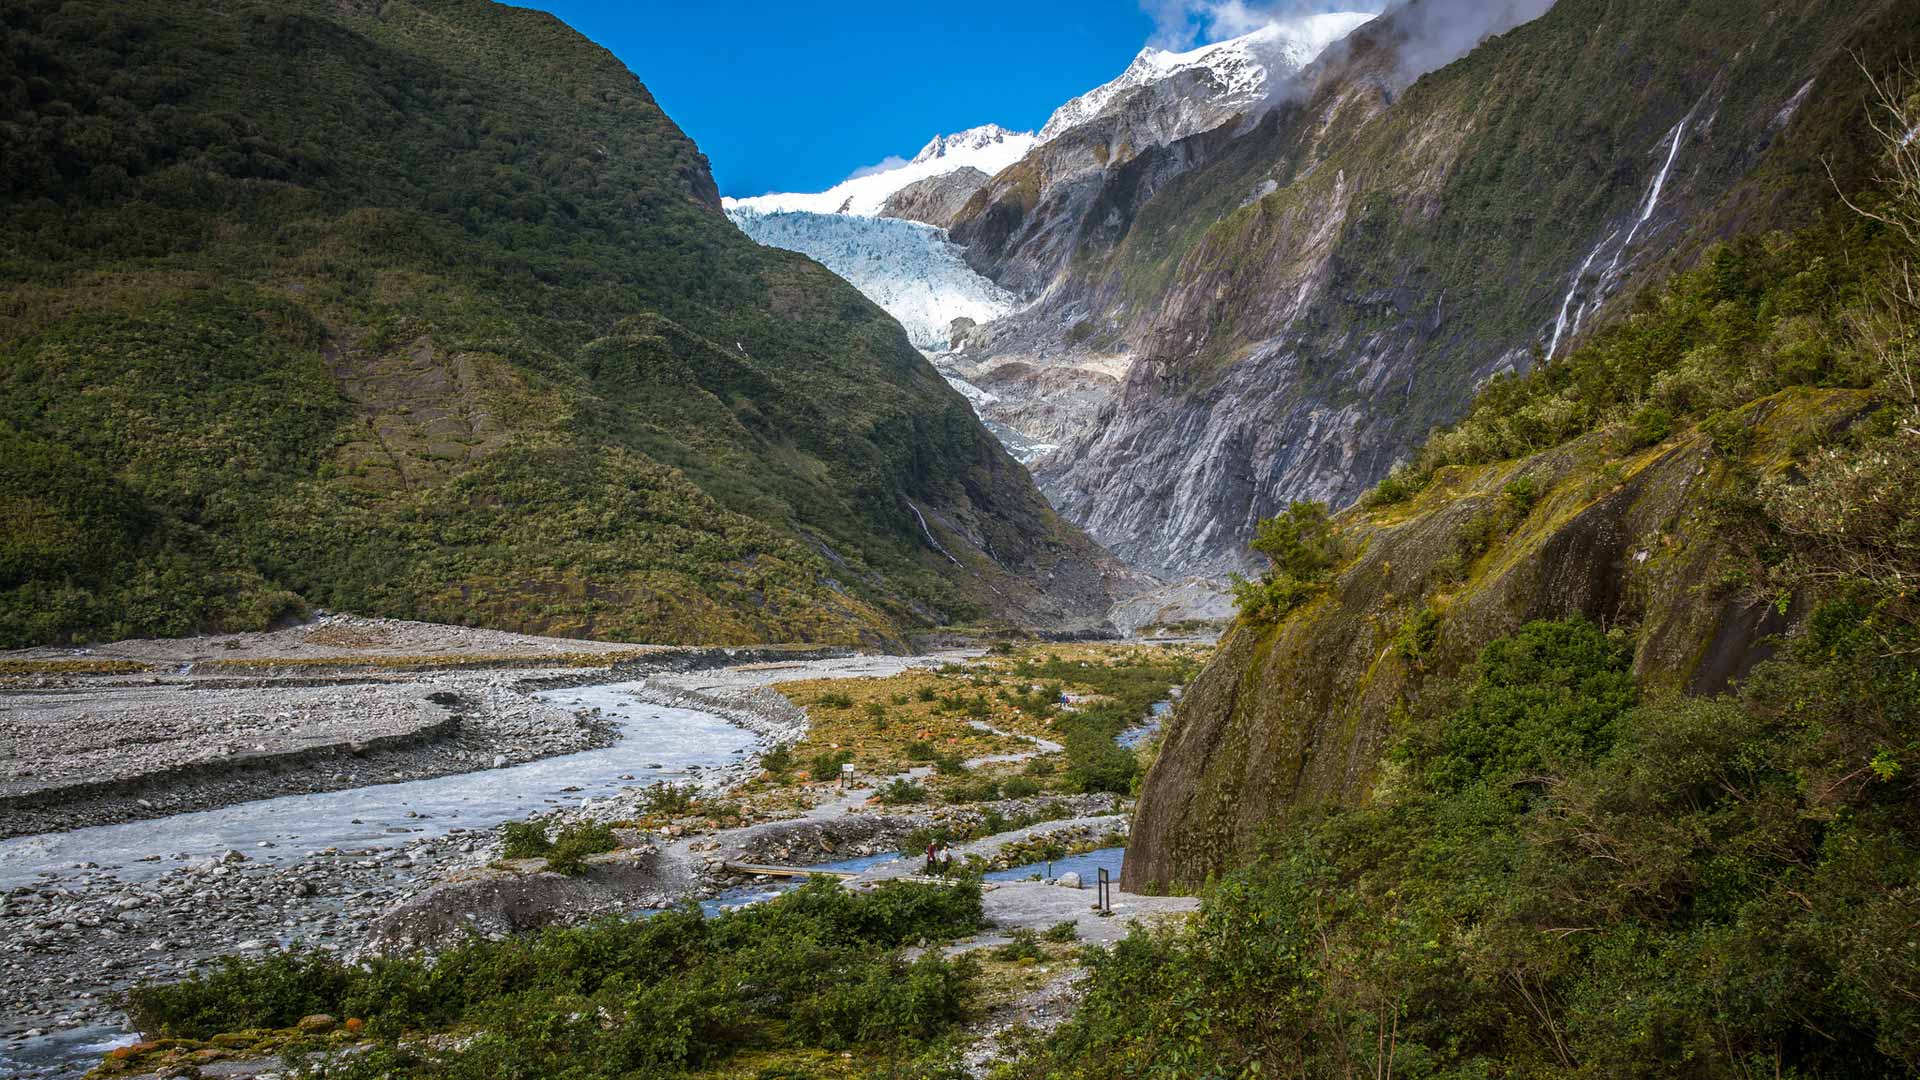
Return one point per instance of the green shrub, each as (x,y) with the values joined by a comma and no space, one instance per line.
(1302,545)
(575,843)
(1096,764)
(834,700)
(1062,933)
(888,1001)
(949,765)
(1020,787)
(826,764)
(668,799)
(1551,691)
(983,789)
(274,991)
(920,750)
(525,839)
(778,761)
(901,791)
(1399,485)
(1517,498)
(1731,435)
(1418,633)
(1025,945)
(1649,426)
(656,996)
(1301,542)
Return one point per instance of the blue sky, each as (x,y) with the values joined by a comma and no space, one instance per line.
(795,96)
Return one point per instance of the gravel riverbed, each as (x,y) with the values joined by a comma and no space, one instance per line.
(86,914)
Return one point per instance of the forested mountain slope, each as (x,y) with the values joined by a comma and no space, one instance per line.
(1589,743)
(424,308)
(1306,293)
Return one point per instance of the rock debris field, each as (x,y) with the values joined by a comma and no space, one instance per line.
(339,785)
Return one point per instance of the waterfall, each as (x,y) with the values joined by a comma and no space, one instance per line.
(1678,134)
(1565,326)
(1560,325)
(929,534)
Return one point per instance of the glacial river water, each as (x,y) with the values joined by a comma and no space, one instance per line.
(657,744)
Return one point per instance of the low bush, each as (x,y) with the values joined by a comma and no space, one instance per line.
(653,997)
(826,764)
(1024,946)
(668,799)
(901,791)
(1019,787)
(984,789)
(575,843)
(778,761)
(525,839)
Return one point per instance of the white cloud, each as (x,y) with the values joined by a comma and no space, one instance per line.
(887,164)
(1182,24)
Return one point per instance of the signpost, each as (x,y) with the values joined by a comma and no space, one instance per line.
(846,774)
(1105,898)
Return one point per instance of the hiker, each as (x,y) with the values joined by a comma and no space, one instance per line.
(946,856)
(933,855)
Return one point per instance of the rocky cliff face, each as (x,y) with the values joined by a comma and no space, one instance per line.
(1298,712)
(1304,296)
(935,200)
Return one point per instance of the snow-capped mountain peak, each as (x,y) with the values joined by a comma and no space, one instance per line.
(1241,69)
(974,142)
(988,148)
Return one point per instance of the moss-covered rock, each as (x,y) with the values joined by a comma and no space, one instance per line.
(1299,712)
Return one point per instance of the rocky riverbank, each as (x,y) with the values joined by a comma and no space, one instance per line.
(148,729)
(77,933)
(72,938)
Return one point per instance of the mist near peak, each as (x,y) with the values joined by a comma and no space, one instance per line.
(1435,33)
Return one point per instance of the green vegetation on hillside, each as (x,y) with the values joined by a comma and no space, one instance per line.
(425,309)
(1302,547)
(1559,882)
(1560,866)
(1758,315)
(664,996)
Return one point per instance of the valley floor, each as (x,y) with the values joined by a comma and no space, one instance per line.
(154,745)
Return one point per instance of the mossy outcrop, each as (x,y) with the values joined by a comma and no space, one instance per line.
(1299,711)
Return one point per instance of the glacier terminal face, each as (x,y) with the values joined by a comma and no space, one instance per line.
(911,270)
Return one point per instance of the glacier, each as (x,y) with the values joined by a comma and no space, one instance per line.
(911,270)
(988,148)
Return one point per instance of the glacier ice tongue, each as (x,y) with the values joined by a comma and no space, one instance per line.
(911,270)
